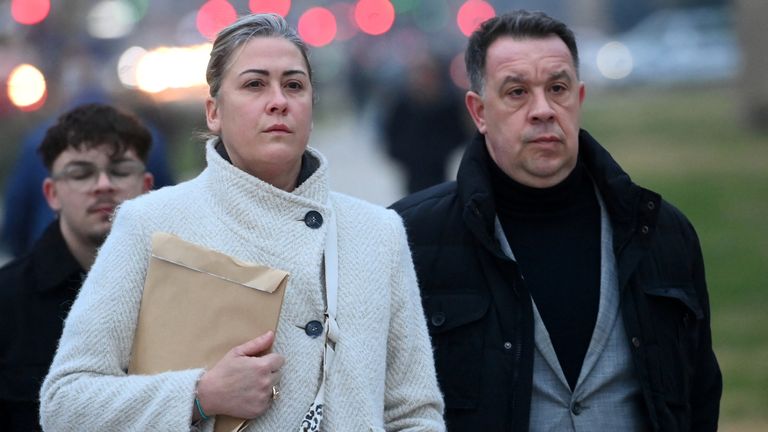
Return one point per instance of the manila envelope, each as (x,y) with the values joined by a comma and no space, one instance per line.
(197,305)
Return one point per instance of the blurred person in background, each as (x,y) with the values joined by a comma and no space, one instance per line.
(424,124)
(26,213)
(263,198)
(559,294)
(94,156)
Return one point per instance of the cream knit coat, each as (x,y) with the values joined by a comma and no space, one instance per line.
(383,375)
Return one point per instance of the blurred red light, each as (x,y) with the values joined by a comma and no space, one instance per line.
(213,16)
(374,17)
(30,12)
(317,26)
(280,7)
(472,13)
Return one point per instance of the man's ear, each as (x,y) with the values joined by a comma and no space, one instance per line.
(51,194)
(476,109)
(148,182)
(212,115)
(582,92)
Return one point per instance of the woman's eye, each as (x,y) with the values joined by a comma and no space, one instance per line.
(255,83)
(294,85)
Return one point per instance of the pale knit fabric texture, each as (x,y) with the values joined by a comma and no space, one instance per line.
(383,376)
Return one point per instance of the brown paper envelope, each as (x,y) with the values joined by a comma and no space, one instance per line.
(197,305)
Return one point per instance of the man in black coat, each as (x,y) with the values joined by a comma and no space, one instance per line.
(96,157)
(559,294)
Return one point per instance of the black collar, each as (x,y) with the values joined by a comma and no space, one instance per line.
(308,164)
(52,256)
(629,206)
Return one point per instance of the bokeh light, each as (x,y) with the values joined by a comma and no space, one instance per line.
(127,65)
(172,68)
(213,16)
(111,19)
(473,13)
(280,7)
(317,26)
(374,17)
(30,12)
(614,60)
(26,87)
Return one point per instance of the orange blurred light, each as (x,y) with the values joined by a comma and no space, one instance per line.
(317,26)
(473,13)
(26,87)
(374,17)
(213,16)
(280,7)
(30,12)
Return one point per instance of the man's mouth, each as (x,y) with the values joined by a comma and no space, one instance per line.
(546,139)
(102,208)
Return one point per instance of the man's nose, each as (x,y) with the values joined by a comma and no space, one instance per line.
(541,110)
(103,181)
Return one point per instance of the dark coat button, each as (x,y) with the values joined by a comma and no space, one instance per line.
(314,329)
(313,219)
(576,408)
(438,319)
(636,342)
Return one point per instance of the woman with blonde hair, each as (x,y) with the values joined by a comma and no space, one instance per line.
(263,198)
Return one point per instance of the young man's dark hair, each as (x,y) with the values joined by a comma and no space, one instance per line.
(92,125)
(520,24)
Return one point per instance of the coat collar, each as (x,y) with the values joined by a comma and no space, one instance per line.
(631,209)
(236,191)
(53,261)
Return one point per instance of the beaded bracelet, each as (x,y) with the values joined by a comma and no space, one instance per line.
(200,409)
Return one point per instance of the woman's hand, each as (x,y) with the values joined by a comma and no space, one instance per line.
(240,384)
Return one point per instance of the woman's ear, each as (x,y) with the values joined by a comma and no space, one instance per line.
(212,115)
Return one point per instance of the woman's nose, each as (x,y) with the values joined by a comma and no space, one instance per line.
(278,102)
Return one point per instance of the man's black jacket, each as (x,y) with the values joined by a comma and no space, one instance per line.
(480,316)
(36,292)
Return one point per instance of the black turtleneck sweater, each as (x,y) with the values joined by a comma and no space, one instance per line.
(554,234)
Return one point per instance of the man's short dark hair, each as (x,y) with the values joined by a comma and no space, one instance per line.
(92,125)
(519,24)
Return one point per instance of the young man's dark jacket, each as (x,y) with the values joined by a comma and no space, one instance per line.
(36,292)
(479,312)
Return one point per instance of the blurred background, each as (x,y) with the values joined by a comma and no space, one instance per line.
(676,90)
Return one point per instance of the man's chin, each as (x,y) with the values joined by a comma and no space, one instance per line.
(98,235)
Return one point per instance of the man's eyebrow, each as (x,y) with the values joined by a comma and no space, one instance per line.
(562,75)
(515,79)
(266,72)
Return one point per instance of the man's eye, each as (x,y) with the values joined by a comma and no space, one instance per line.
(517,92)
(558,88)
(80,173)
(125,169)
